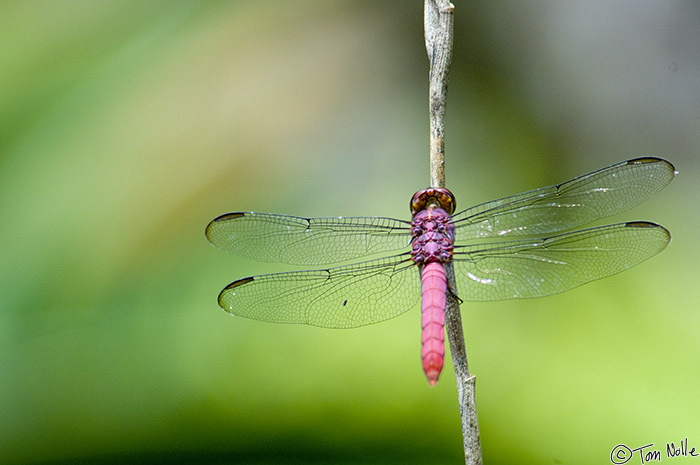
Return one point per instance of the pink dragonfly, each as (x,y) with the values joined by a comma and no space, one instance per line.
(510,248)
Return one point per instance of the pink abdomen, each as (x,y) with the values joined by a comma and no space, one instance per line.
(433,291)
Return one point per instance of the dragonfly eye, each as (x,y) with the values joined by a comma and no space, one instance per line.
(433,197)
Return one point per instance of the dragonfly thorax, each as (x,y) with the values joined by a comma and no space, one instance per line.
(433,236)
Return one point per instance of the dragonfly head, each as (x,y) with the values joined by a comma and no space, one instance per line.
(433,197)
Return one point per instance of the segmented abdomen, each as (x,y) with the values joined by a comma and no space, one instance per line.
(434,292)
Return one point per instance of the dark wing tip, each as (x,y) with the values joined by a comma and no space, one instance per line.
(643,160)
(221,218)
(233,285)
(239,282)
(228,216)
(642,224)
(648,224)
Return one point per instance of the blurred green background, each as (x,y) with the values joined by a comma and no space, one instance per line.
(125,126)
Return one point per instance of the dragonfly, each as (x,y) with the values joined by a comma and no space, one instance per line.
(521,246)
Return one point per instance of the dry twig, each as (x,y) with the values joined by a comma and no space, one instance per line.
(438,42)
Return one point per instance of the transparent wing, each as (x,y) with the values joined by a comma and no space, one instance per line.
(574,203)
(341,297)
(306,241)
(542,267)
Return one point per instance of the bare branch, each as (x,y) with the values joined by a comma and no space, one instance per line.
(466,383)
(438,43)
